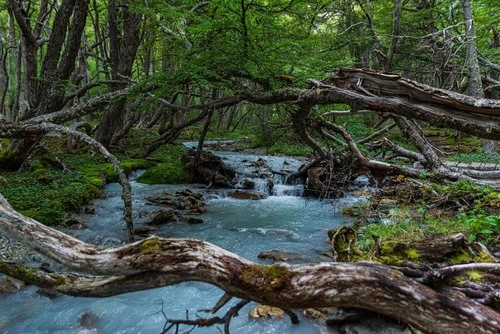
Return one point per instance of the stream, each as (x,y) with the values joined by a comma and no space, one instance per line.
(283,221)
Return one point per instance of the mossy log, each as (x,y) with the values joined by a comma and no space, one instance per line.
(156,262)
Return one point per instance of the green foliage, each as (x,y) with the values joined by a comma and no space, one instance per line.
(475,157)
(462,188)
(479,221)
(481,227)
(171,171)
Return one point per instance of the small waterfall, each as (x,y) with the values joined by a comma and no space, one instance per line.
(267,176)
(273,184)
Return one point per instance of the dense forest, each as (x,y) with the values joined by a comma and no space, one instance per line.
(406,93)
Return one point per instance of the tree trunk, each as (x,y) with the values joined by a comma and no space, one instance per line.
(475,87)
(123,49)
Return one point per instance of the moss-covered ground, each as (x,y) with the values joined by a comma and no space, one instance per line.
(437,211)
(52,185)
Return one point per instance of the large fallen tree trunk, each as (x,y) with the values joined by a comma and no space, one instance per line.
(156,262)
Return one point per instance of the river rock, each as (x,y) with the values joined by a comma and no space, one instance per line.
(194,221)
(88,210)
(258,163)
(190,193)
(278,255)
(162,217)
(314,314)
(210,169)
(266,312)
(247,184)
(88,322)
(75,224)
(144,231)
(240,194)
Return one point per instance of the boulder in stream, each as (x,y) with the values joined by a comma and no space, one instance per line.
(278,255)
(194,221)
(210,169)
(162,217)
(240,194)
(75,223)
(266,312)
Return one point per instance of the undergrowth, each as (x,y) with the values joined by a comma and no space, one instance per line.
(47,192)
(478,217)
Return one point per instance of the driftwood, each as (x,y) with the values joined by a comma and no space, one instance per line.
(155,262)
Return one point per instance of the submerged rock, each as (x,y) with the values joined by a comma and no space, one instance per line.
(240,194)
(278,255)
(164,216)
(247,184)
(194,221)
(75,224)
(266,312)
(89,322)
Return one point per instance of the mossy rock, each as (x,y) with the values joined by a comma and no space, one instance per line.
(468,255)
(6,154)
(162,217)
(172,172)
(394,253)
(96,182)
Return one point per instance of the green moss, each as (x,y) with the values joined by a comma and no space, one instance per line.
(42,175)
(396,254)
(268,277)
(49,212)
(6,154)
(106,170)
(136,164)
(172,172)
(475,276)
(412,254)
(345,244)
(464,256)
(151,245)
(96,182)
(30,275)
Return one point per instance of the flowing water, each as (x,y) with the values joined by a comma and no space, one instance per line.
(283,221)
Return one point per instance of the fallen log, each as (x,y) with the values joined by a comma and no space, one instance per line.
(155,262)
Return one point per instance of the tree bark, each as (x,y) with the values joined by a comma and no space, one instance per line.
(156,262)
(123,49)
(475,87)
